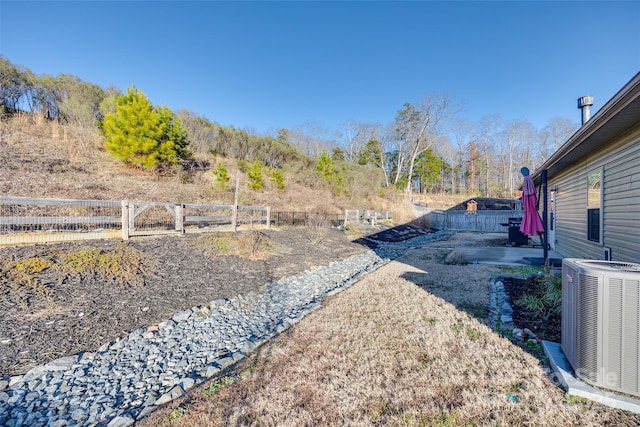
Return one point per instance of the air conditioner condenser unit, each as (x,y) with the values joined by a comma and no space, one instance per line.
(601,322)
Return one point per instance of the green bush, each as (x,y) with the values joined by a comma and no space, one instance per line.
(546,303)
(33,265)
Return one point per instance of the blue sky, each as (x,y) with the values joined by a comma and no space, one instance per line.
(268,65)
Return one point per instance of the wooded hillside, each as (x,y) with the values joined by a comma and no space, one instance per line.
(68,138)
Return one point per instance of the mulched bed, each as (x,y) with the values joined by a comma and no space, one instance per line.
(59,313)
(515,288)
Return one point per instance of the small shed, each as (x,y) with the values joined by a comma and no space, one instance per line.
(472,206)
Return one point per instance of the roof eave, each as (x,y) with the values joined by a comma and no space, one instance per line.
(598,129)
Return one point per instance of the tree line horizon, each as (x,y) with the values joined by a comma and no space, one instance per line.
(427,148)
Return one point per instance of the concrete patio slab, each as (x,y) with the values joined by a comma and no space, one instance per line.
(504,255)
(574,387)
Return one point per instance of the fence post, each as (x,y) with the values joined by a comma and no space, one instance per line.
(179,210)
(125,220)
(132,217)
(268,217)
(234,213)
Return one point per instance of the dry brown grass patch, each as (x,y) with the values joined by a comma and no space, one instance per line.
(251,244)
(456,257)
(316,227)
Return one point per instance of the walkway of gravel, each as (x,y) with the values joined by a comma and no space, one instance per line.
(127,379)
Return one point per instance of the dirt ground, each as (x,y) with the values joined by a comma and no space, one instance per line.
(57,312)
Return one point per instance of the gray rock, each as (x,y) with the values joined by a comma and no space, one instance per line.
(182,316)
(15,399)
(78,415)
(248,347)
(167,324)
(505,318)
(177,392)
(119,344)
(187,383)
(121,422)
(224,362)
(31,396)
(146,411)
(62,364)
(33,373)
(209,371)
(165,398)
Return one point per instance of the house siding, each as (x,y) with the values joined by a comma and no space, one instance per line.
(620,160)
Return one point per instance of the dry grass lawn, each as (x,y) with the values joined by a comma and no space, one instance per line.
(406,345)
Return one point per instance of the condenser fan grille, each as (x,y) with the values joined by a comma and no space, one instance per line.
(610,265)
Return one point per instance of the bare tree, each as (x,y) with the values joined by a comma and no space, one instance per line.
(555,133)
(461,131)
(485,136)
(448,152)
(313,138)
(352,140)
(419,128)
(517,139)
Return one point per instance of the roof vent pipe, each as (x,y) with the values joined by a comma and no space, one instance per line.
(585,103)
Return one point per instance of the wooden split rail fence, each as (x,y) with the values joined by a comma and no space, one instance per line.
(285,218)
(366,216)
(25,220)
(34,220)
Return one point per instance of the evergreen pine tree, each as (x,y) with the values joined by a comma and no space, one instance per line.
(256,180)
(222,176)
(278,177)
(328,171)
(172,145)
(143,136)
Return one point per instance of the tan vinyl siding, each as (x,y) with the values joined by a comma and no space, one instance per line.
(621,206)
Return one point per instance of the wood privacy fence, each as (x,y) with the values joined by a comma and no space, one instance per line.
(482,220)
(32,220)
(365,216)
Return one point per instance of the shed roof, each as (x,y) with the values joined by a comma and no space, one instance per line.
(619,115)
